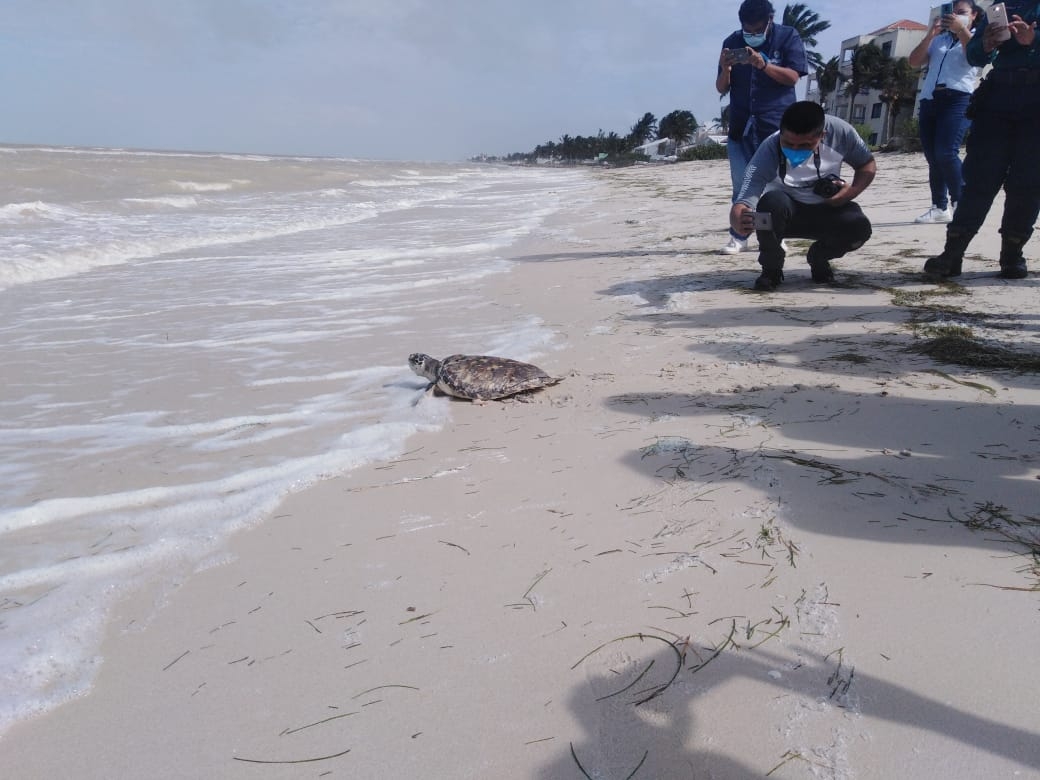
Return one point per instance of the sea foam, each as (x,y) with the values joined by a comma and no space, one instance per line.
(190,338)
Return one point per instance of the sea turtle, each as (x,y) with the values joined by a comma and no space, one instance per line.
(479,377)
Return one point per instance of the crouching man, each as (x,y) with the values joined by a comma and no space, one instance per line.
(793,189)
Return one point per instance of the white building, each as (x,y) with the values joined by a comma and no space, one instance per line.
(896,40)
(663,149)
(660,150)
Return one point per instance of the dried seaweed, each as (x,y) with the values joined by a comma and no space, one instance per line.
(963,351)
(717,651)
(629,776)
(654,691)
(527,601)
(792,755)
(292,761)
(964,383)
(317,723)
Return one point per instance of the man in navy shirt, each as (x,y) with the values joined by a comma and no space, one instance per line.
(759,66)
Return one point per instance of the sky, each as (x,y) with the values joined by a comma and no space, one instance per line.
(382,79)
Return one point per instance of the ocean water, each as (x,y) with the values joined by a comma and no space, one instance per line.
(188,338)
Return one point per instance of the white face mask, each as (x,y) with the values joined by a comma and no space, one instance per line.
(964,19)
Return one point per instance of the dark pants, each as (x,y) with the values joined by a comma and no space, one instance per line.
(1003,149)
(739,151)
(942,128)
(837,230)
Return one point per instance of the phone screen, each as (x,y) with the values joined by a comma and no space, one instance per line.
(946,9)
(763,220)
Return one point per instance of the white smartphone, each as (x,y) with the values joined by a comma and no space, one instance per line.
(763,220)
(997,17)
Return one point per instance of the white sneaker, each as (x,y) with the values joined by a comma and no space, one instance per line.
(735,246)
(935,216)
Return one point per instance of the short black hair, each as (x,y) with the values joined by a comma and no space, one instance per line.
(753,11)
(803,118)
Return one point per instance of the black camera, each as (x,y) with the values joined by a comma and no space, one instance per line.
(828,186)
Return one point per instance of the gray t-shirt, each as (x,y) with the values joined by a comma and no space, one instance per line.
(840,143)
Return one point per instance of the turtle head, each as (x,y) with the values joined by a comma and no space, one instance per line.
(424,365)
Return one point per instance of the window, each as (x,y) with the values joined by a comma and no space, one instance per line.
(872,141)
(846,56)
(886,48)
(858,112)
(875,111)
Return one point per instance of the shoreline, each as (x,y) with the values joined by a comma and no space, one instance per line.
(778,478)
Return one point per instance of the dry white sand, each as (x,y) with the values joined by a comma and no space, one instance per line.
(748,535)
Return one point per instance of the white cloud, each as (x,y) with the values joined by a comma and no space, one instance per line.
(364,78)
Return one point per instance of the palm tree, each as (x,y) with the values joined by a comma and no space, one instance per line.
(614,144)
(868,63)
(643,130)
(566,147)
(547,150)
(808,24)
(722,120)
(828,76)
(678,126)
(898,85)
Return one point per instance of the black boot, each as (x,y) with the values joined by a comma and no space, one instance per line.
(948,263)
(1012,264)
(769,280)
(819,265)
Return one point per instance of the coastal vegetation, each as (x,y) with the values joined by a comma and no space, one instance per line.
(808,24)
(679,126)
(871,69)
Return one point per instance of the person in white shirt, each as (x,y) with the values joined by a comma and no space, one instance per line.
(944,99)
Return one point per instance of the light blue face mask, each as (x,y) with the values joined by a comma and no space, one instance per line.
(796,156)
(754,40)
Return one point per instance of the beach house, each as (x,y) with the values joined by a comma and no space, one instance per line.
(894,40)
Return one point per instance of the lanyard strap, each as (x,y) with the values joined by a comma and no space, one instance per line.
(956,43)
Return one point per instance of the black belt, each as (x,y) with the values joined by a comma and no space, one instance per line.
(1021,77)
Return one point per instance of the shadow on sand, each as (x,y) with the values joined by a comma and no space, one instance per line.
(637,704)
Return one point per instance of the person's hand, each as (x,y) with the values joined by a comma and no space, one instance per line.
(758,60)
(1023,32)
(842,196)
(990,39)
(936,28)
(740,219)
(727,59)
(744,56)
(952,24)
